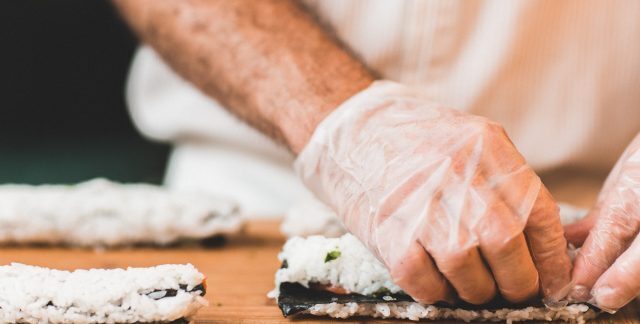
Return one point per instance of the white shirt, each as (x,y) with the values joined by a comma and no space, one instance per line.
(562,77)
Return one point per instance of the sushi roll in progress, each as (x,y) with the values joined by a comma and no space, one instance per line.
(165,293)
(339,277)
(101,213)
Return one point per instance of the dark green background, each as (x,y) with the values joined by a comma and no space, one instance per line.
(63,66)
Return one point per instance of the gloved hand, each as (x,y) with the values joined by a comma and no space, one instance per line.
(442,198)
(607,266)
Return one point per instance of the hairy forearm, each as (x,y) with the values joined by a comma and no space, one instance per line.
(267,61)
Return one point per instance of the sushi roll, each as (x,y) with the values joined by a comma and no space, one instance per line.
(101,213)
(165,293)
(340,278)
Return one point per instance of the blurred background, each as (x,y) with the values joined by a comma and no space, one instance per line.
(64,64)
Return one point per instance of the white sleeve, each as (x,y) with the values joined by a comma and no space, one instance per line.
(165,107)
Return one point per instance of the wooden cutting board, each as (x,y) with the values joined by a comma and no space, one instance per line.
(239,275)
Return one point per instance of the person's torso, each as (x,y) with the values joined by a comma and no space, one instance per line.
(563,77)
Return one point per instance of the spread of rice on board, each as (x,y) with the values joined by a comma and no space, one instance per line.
(101,213)
(340,278)
(165,293)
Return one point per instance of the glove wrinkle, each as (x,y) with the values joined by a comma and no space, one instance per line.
(400,170)
(609,260)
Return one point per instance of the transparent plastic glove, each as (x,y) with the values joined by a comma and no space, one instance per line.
(607,266)
(441,197)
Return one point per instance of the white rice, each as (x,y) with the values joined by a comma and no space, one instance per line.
(104,213)
(39,295)
(358,271)
(577,313)
(570,214)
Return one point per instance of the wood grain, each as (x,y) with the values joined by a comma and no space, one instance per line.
(241,273)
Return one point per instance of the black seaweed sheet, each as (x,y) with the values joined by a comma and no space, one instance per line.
(173,293)
(295,298)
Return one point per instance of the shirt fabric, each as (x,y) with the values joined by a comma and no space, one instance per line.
(562,77)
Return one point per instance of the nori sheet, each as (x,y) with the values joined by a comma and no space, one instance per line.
(295,298)
(173,293)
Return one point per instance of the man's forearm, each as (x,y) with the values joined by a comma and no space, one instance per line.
(267,61)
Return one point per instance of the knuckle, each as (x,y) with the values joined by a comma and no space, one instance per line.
(453,261)
(500,240)
(506,249)
(490,128)
(549,246)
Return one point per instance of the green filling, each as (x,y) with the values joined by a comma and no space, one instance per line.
(382,292)
(332,256)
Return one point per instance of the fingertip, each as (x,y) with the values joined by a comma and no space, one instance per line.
(619,284)
(586,272)
(608,299)
(558,288)
(580,293)
(442,293)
